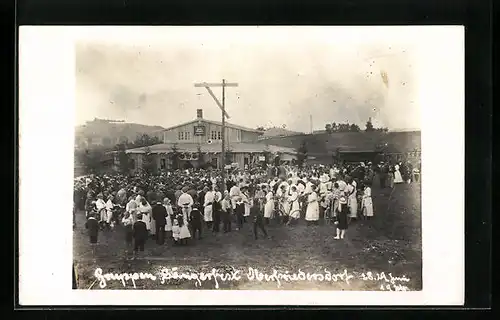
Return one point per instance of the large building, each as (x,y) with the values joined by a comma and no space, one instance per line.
(199,143)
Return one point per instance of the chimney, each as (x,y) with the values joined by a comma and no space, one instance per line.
(199,113)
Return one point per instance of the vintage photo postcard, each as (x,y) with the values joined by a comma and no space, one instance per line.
(241,165)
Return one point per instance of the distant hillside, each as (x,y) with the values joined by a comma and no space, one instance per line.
(278,132)
(101,132)
(324,145)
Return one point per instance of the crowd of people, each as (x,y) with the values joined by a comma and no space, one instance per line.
(180,205)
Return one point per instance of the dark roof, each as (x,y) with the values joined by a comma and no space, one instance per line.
(329,143)
(218,123)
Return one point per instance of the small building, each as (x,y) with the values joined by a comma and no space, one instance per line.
(198,143)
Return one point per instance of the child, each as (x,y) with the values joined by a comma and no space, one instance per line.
(226,212)
(341,221)
(184,233)
(367,203)
(140,235)
(127,223)
(93,226)
(176,231)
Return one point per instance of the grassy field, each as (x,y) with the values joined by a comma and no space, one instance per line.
(389,243)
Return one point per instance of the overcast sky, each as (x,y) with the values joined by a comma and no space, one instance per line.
(284,76)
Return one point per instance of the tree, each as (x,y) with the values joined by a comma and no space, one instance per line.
(145,140)
(174,156)
(328,128)
(302,153)
(334,127)
(369,126)
(149,163)
(354,128)
(91,160)
(123,158)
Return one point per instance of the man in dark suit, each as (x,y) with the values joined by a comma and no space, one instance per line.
(92,225)
(159,215)
(140,234)
(195,220)
(258,220)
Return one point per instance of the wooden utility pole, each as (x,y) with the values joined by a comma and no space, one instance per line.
(222,106)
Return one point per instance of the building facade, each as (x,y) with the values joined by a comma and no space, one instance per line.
(198,143)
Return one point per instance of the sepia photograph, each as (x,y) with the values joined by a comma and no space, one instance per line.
(250,165)
(279,165)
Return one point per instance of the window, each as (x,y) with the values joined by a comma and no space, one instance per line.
(219,137)
(213,136)
(181,135)
(187,135)
(163,164)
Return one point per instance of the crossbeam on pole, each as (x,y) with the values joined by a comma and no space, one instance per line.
(217,101)
(205,84)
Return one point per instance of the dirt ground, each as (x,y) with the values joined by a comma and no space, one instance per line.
(388,246)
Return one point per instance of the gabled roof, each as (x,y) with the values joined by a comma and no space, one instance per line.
(229,125)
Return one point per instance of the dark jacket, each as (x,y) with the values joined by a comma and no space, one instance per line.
(93,226)
(140,232)
(159,215)
(196,217)
(256,214)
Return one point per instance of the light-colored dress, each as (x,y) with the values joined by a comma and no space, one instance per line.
(312,212)
(131,208)
(367,203)
(109,210)
(294,205)
(352,201)
(248,204)
(269,207)
(184,232)
(176,230)
(170,213)
(146,215)
(208,204)
(397,175)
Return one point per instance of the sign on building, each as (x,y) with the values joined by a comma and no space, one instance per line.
(199,130)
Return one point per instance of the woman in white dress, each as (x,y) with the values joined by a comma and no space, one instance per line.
(185,234)
(131,208)
(146,210)
(367,203)
(269,206)
(352,201)
(294,205)
(247,201)
(397,175)
(208,208)
(170,215)
(312,212)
